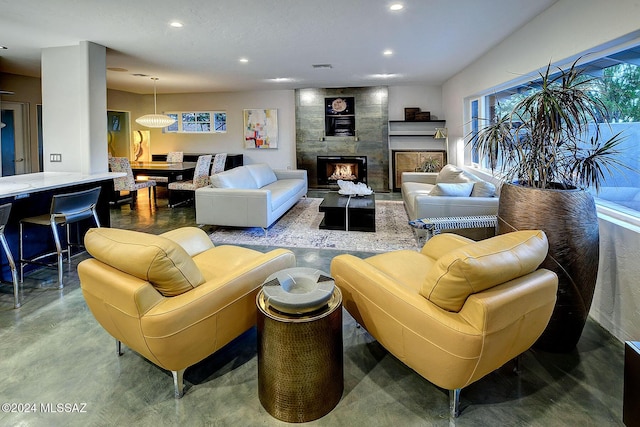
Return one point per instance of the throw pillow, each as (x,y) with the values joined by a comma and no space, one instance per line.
(482,265)
(158,260)
(462,189)
(451,173)
(483,189)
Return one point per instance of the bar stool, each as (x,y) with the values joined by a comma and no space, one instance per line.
(4,218)
(65,209)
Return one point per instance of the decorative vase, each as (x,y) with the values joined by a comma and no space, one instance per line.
(569,219)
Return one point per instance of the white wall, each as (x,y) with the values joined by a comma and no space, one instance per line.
(233,140)
(560,34)
(74,99)
(427,98)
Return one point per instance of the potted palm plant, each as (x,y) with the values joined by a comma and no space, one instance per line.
(550,150)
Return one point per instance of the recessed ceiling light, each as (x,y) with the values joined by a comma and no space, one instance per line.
(118,69)
(396,6)
(245,60)
(383,76)
(3,47)
(387,52)
(176,24)
(281,79)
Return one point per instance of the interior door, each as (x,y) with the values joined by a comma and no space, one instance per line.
(14,142)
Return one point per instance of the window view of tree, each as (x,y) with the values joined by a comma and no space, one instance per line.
(198,122)
(618,87)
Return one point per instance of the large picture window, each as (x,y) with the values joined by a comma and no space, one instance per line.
(198,122)
(616,81)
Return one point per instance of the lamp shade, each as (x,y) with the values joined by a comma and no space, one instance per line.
(155,120)
(441,133)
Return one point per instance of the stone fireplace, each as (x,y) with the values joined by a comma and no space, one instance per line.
(347,168)
(371,142)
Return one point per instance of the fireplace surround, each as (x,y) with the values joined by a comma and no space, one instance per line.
(347,168)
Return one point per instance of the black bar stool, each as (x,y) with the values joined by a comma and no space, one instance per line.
(5,210)
(66,209)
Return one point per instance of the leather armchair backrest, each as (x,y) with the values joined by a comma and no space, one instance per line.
(482,265)
(156,259)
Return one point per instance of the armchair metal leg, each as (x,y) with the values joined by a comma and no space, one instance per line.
(178,383)
(454,403)
(119,348)
(516,364)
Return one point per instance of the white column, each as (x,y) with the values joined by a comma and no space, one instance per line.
(74,108)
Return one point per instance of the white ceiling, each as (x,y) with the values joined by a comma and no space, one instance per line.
(431,40)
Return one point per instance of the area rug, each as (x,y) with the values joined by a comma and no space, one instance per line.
(299,228)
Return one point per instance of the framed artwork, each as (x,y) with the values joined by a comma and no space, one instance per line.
(261,128)
(340,116)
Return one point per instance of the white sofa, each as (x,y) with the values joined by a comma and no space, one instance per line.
(249,196)
(450,192)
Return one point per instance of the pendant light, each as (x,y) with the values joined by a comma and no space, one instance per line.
(155,120)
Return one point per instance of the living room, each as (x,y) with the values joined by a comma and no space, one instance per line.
(567,29)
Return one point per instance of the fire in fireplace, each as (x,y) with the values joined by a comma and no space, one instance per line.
(347,168)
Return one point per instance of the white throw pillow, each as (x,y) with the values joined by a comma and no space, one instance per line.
(483,189)
(451,173)
(461,189)
(262,174)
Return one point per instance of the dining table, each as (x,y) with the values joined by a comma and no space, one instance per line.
(172,170)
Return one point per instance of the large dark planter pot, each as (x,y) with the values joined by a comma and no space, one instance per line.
(569,219)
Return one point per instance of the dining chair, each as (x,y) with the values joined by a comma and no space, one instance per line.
(5,210)
(66,209)
(128,182)
(172,157)
(219,162)
(200,179)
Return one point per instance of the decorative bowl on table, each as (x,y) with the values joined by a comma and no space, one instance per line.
(298,290)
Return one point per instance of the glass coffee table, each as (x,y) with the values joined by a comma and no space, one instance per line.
(348,213)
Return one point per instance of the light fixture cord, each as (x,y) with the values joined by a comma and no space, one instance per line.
(155,105)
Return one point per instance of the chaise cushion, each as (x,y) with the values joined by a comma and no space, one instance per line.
(156,259)
(481,265)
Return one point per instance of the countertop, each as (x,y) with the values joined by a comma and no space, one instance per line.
(19,185)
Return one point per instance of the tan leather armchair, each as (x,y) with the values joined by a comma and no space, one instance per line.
(458,309)
(173,298)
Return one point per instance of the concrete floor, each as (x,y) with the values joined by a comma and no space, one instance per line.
(52,352)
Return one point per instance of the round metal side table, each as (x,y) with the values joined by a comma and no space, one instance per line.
(300,361)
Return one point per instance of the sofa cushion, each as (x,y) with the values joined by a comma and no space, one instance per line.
(158,260)
(283,190)
(239,177)
(462,189)
(481,265)
(483,189)
(262,174)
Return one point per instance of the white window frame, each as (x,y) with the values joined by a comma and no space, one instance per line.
(178,127)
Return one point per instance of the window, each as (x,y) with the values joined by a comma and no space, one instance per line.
(617,84)
(198,122)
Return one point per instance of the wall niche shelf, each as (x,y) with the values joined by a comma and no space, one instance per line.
(410,142)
